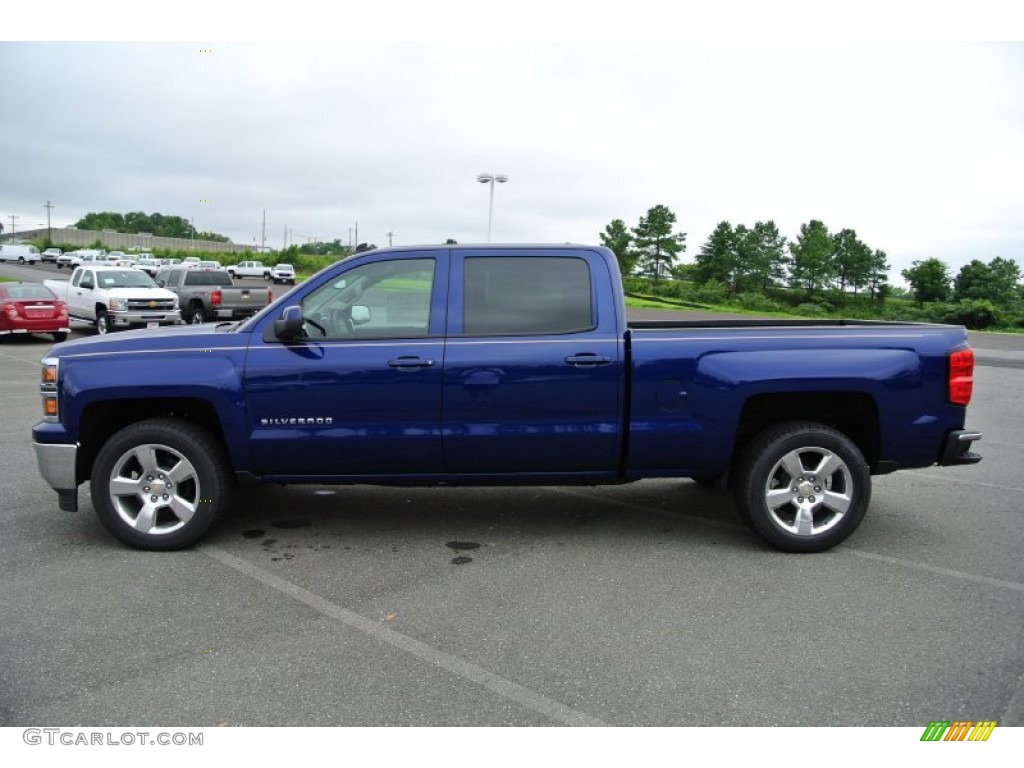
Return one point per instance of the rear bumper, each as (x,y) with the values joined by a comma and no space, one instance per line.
(47,327)
(236,313)
(957,448)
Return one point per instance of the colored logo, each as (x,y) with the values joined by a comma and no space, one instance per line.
(960,730)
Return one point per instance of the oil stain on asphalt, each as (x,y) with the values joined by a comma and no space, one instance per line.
(462,546)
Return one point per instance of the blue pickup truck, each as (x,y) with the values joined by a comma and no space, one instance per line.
(507,364)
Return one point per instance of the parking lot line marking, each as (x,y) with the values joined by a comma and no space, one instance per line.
(960,481)
(506,688)
(33,363)
(986,580)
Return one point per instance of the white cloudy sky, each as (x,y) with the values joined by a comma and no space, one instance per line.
(917,144)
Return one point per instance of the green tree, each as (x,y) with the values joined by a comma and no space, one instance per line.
(998,281)
(929,280)
(878,275)
(851,260)
(616,237)
(137,221)
(717,258)
(811,265)
(102,220)
(656,246)
(767,255)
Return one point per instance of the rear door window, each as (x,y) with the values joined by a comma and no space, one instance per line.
(506,296)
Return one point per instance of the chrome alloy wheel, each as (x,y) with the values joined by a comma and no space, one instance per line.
(809,490)
(154,489)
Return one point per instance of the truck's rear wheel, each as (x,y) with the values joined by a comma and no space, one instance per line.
(196,316)
(803,486)
(160,484)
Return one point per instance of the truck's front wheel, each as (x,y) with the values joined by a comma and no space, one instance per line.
(803,486)
(103,324)
(160,484)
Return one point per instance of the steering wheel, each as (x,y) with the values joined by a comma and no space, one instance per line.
(315,324)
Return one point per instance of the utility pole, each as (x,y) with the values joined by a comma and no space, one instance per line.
(389,238)
(14,217)
(48,206)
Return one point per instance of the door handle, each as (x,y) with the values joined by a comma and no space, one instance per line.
(410,363)
(587,359)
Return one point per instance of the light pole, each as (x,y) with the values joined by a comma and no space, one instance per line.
(48,207)
(490,178)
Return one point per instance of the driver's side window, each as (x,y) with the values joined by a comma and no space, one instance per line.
(379,300)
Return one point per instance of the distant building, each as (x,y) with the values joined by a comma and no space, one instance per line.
(83,238)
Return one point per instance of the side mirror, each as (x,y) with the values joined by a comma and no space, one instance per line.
(361,315)
(289,327)
(86,285)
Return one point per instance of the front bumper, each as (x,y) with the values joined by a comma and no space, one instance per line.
(127,319)
(57,466)
(957,448)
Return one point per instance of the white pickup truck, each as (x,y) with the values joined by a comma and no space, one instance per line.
(112,298)
(249,269)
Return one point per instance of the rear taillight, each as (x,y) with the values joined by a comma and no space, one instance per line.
(270,297)
(215,298)
(62,309)
(960,379)
(11,310)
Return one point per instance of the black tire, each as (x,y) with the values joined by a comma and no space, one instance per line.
(103,324)
(21,259)
(60,336)
(802,486)
(267,276)
(168,460)
(196,316)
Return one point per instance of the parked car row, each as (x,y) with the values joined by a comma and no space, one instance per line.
(109,296)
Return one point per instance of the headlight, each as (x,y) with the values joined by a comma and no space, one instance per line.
(118,305)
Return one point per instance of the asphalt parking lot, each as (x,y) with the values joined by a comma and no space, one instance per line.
(647,604)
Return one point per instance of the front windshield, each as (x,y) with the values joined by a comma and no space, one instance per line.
(124,278)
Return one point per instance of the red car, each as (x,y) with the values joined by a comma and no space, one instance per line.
(32,308)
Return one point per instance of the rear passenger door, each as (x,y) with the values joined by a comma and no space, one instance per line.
(533,378)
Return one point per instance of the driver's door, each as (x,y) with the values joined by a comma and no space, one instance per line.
(360,395)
